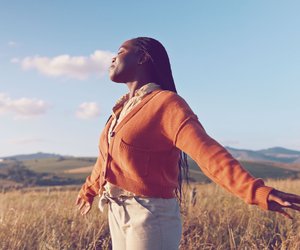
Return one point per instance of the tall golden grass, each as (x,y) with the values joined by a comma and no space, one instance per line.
(48,220)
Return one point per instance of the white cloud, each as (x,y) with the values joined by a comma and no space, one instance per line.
(88,110)
(23,107)
(77,67)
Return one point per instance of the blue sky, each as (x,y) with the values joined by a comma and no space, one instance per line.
(235,62)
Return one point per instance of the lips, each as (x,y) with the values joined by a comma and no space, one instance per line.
(111,69)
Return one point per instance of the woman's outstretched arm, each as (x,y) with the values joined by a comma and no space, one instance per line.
(219,165)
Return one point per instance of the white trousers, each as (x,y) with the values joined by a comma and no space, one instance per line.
(144,223)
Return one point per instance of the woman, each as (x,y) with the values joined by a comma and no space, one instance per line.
(138,170)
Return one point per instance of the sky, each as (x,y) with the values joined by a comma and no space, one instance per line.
(236,63)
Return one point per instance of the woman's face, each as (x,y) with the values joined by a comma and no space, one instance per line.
(124,65)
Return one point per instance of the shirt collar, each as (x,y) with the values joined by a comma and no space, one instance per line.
(144,90)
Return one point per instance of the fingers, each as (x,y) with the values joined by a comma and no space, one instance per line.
(78,200)
(284,199)
(82,203)
(280,201)
(295,207)
(276,207)
(293,198)
(284,213)
(83,206)
(85,209)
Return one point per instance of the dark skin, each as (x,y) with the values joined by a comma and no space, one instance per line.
(279,200)
(131,66)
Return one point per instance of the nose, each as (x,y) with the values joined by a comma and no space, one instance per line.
(113,59)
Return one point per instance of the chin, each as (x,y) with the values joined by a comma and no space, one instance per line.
(115,79)
(112,77)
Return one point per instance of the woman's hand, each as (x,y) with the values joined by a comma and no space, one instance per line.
(83,206)
(278,200)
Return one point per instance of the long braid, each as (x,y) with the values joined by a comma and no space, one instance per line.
(161,69)
(159,59)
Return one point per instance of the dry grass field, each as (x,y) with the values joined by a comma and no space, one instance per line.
(47,219)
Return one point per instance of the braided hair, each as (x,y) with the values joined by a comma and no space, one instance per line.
(160,69)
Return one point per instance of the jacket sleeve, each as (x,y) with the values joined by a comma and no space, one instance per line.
(218,164)
(91,186)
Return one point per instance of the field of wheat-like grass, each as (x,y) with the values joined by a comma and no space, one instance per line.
(47,219)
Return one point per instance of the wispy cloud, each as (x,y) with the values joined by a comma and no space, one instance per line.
(12,44)
(88,110)
(25,141)
(76,67)
(23,107)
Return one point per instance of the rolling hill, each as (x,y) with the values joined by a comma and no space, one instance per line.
(54,169)
(14,174)
(275,154)
(38,155)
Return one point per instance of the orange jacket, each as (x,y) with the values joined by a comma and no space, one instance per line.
(143,154)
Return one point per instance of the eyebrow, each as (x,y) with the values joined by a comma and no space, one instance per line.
(122,47)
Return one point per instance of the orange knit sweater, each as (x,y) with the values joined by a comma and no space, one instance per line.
(143,153)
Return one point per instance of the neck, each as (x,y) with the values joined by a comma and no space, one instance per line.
(133,86)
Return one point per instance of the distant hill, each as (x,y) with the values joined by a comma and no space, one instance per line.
(14,174)
(275,154)
(62,166)
(80,167)
(258,169)
(54,169)
(39,155)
